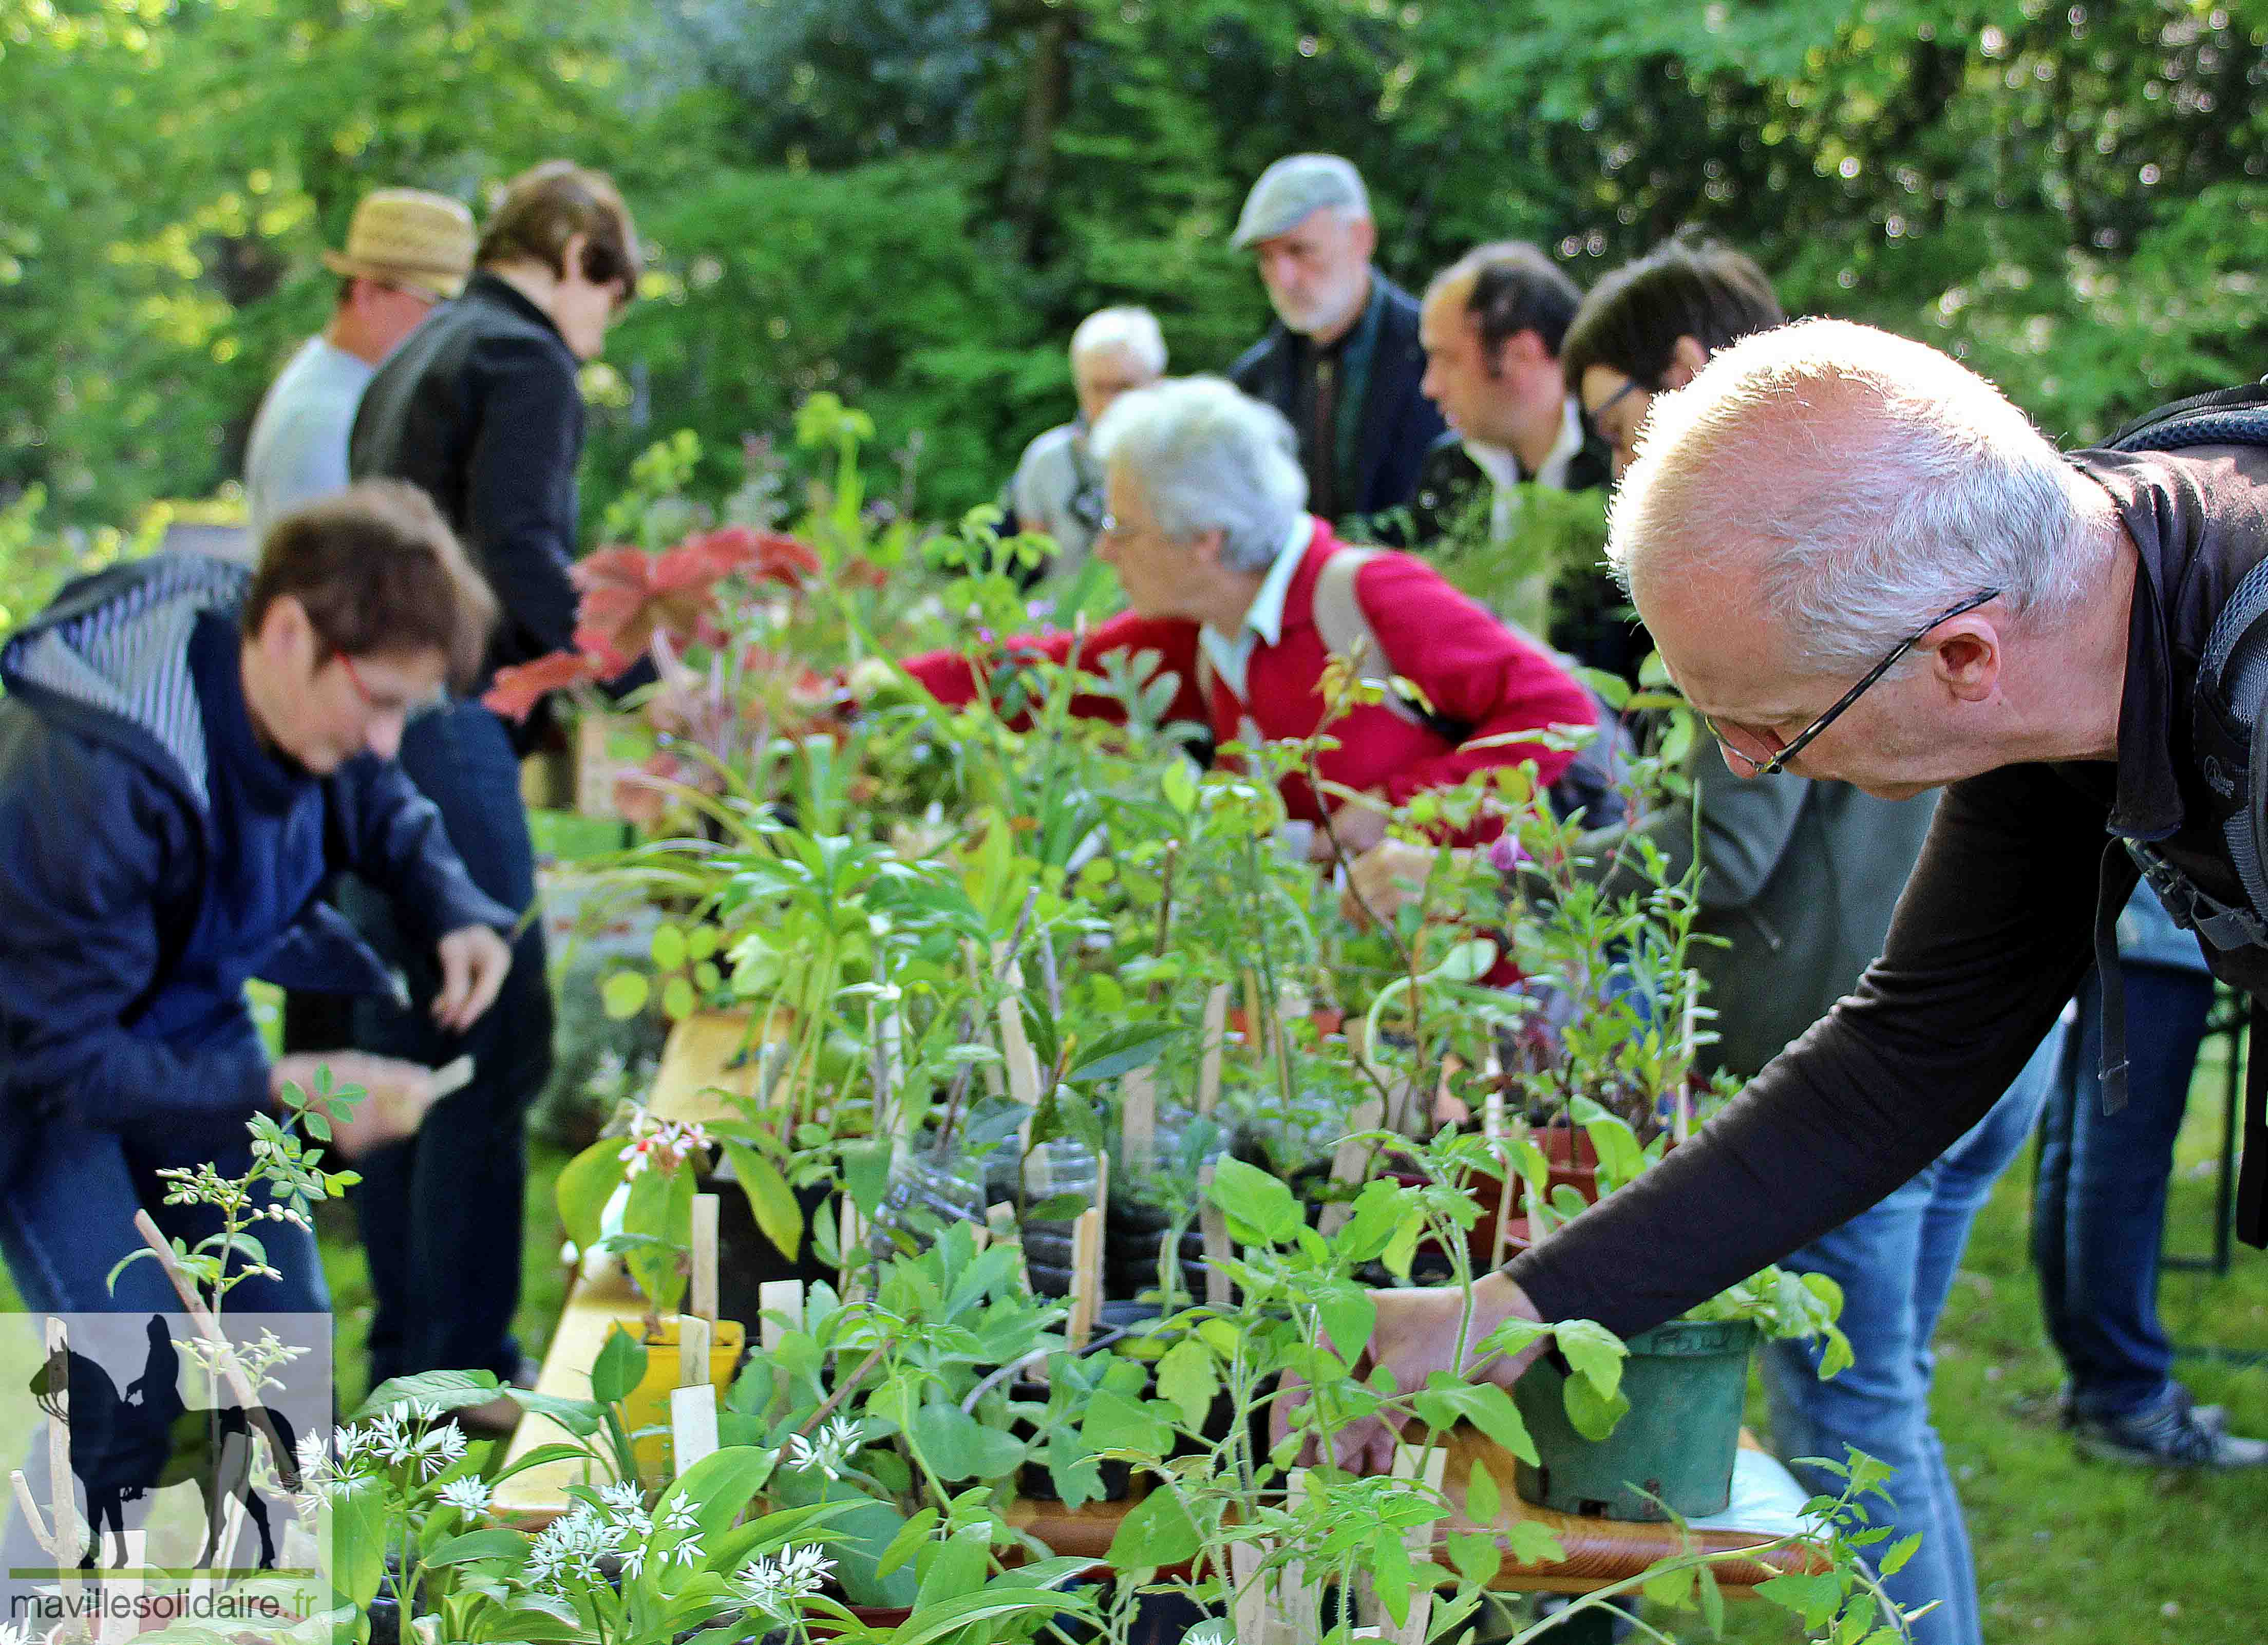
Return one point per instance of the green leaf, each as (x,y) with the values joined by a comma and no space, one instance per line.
(586,1183)
(1476,1556)
(779,1215)
(906,1543)
(359,1530)
(1894,1559)
(1532,1544)
(1814,1598)
(442,1390)
(1389,1573)
(620,1367)
(1596,1354)
(678,1000)
(1179,785)
(1467,962)
(866,1173)
(1672,1588)
(956,1446)
(1348,1315)
(623,994)
(1594,1414)
(1612,687)
(494,1543)
(1484,1497)
(1156,1532)
(1260,1202)
(1117,1423)
(1447,1401)
(1120,1052)
(719,1486)
(1189,1378)
(668,947)
(953,1567)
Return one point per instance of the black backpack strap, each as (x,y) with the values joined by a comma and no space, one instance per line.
(2224,416)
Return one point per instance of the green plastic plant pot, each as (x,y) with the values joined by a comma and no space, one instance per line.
(1685,1382)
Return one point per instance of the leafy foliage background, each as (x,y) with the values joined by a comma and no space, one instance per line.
(911,203)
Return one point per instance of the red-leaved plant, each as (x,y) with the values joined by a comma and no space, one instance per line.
(699,611)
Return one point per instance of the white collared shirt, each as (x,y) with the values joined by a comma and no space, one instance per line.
(1264,618)
(1502,468)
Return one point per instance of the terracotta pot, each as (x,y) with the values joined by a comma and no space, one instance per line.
(1328,1019)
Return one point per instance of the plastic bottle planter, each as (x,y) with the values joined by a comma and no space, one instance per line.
(1685,1382)
(647,1404)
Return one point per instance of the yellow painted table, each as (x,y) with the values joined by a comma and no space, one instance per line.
(696,1071)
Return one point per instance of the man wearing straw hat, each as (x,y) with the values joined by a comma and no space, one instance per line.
(406,251)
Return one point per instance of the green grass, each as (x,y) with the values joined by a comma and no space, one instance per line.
(2073,1553)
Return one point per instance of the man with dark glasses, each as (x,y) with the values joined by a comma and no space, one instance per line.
(1859,561)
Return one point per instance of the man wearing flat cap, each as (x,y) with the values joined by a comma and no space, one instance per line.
(1343,361)
(406,251)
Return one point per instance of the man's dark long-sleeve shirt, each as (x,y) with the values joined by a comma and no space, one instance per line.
(1993,932)
(480,406)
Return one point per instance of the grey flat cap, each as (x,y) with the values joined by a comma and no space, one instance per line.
(1292,188)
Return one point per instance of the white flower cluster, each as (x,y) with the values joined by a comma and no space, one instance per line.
(776,1586)
(468,1497)
(571,1547)
(828,1451)
(663,1144)
(412,1436)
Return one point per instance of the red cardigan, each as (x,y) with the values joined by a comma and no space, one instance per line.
(1472,668)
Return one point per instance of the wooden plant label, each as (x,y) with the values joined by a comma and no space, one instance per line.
(1016,1047)
(693,1337)
(1216,1029)
(1137,1106)
(703,1287)
(1213,1223)
(1411,1462)
(1281,1608)
(1085,1278)
(1347,1163)
(1256,1024)
(784,1298)
(692,1424)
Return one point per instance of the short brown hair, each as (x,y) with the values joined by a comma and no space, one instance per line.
(546,206)
(1685,287)
(378,571)
(1514,287)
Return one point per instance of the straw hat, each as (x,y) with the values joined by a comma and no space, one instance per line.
(408,237)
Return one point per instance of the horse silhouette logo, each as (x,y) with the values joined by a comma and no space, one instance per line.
(124,1447)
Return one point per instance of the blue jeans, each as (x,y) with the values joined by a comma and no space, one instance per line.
(1895,1263)
(66,1219)
(441,1214)
(2099,1212)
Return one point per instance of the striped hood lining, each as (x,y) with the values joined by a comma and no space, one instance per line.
(127,656)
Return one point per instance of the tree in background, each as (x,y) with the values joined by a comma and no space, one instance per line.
(910,205)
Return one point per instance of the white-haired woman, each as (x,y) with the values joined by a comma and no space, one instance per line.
(1223,567)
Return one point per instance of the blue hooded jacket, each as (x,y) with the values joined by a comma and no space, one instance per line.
(106,844)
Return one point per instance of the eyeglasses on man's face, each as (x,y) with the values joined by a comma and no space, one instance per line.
(386,703)
(1773,760)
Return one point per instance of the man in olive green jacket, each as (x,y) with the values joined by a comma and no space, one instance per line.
(1798,878)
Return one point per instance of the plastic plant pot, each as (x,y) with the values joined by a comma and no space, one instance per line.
(1685,1382)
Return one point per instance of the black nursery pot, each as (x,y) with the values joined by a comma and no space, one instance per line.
(1032,1480)
(746,1257)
